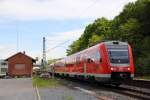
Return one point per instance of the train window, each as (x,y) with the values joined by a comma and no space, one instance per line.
(78,59)
(97,55)
(100,60)
(118,54)
(89,60)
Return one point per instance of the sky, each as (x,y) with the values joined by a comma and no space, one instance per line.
(23,24)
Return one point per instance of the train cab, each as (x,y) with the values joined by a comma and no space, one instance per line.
(120,60)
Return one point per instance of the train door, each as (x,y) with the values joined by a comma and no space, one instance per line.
(78,62)
(89,64)
(85,65)
(93,62)
(98,61)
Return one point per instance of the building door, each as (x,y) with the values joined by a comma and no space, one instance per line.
(20,68)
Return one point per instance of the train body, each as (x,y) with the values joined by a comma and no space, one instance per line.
(110,61)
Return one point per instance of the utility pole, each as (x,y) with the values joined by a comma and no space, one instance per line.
(17,41)
(17,31)
(44,53)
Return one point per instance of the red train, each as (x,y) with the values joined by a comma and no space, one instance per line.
(110,62)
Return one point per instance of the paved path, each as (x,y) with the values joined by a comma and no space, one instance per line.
(64,93)
(72,90)
(16,89)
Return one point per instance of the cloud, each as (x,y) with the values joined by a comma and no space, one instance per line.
(7,50)
(58,43)
(71,35)
(28,10)
(60,9)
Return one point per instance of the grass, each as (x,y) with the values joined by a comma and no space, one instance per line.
(144,77)
(67,98)
(44,83)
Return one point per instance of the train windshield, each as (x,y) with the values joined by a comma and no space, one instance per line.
(118,54)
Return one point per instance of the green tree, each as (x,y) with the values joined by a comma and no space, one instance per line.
(131,25)
(95,39)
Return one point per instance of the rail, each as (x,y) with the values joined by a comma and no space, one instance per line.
(139,83)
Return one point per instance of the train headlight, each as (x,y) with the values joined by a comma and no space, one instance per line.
(112,69)
(128,68)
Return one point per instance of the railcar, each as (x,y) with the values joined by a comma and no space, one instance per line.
(108,62)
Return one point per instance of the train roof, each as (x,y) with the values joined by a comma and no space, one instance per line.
(115,42)
(95,46)
(85,50)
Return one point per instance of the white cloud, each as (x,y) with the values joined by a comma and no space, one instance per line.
(60,9)
(58,43)
(55,44)
(7,50)
(56,10)
(71,35)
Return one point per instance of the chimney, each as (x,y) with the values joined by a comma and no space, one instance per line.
(24,52)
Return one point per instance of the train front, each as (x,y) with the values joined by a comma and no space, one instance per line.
(120,60)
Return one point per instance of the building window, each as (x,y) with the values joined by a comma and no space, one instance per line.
(3,63)
(3,70)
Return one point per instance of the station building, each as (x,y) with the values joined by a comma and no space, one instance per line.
(20,65)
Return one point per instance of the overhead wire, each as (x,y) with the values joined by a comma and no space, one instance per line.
(81,14)
(90,6)
(58,46)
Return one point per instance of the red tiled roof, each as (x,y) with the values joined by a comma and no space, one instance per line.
(22,54)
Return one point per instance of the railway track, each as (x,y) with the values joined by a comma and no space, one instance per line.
(139,83)
(135,93)
(127,90)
